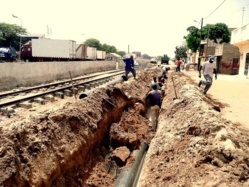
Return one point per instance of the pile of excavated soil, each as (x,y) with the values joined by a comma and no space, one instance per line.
(89,142)
(79,143)
(194,145)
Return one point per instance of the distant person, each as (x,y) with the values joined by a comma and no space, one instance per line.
(178,65)
(165,72)
(208,68)
(154,100)
(155,81)
(129,67)
(183,64)
(162,83)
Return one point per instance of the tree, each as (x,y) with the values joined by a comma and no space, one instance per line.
(121,53)
(92,42)
(180,52)
(217,32)
(193,38)
(109,48)
(145,56)
(10,35)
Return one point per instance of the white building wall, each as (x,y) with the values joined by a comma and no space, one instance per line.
(240,38)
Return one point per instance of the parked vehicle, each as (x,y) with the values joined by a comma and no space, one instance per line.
(48,50)
(165,59)
(7,54)
(153,61)
(101,55)
(59,50)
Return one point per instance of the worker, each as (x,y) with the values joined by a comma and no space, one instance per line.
(155,81)
(208,68)
(178,65)
(129,67)
(154,102)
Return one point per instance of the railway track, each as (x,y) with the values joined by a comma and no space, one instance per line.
(39,94)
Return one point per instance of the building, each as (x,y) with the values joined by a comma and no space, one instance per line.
(137,53)
(240,38)
(227,59)
(227,56)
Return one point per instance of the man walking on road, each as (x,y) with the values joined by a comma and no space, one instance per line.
(208,68)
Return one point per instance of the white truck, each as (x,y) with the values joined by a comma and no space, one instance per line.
(101,55)
(49,50)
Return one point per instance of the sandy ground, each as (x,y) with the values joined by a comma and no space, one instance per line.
(232,91)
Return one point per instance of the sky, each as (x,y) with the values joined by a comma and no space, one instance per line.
(153,27)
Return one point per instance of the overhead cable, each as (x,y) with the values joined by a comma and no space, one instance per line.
(214,10)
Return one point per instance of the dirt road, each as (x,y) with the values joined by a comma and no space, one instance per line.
(232,91)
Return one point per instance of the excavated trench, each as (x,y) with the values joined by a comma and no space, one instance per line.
(90,142)
(84,143)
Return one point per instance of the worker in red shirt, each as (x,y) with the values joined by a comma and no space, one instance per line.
(178,65)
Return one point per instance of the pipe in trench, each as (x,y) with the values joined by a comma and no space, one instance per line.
(129,176)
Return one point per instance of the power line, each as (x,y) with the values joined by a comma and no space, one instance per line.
(214,10)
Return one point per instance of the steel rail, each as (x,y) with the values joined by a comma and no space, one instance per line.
(54,84)
(35,95)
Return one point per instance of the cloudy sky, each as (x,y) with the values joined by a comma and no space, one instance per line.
(154,27)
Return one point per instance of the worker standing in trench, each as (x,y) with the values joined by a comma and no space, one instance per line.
(154,103)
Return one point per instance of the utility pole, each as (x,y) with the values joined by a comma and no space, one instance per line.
(243,9)
(199,58)
(206,57)
(128,49)
(20,44)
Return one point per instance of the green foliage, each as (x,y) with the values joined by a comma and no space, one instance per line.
(92,42)
(121,53)
(145,56)
(9,35)
(180,52)
(217,32)
(109,48)
(193,38)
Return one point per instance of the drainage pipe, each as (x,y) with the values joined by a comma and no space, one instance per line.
(129,176)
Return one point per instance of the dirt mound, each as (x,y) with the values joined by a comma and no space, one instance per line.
(71,145)
(89,142)
(194,145)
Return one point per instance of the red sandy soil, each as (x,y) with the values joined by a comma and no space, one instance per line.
(88,142)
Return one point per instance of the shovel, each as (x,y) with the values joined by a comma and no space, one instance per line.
(174,88)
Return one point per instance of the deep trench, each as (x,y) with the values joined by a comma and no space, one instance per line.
(114,106)
(63,147)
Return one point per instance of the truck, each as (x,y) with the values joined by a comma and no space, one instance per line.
(101,55)
(7,54)
(165,59)
(45,49)
(84,52)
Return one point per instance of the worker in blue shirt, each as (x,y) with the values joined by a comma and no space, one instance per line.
(129,67)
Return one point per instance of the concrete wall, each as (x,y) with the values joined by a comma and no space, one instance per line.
(244,49)
(29,74)
(228,53)
(23,74)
